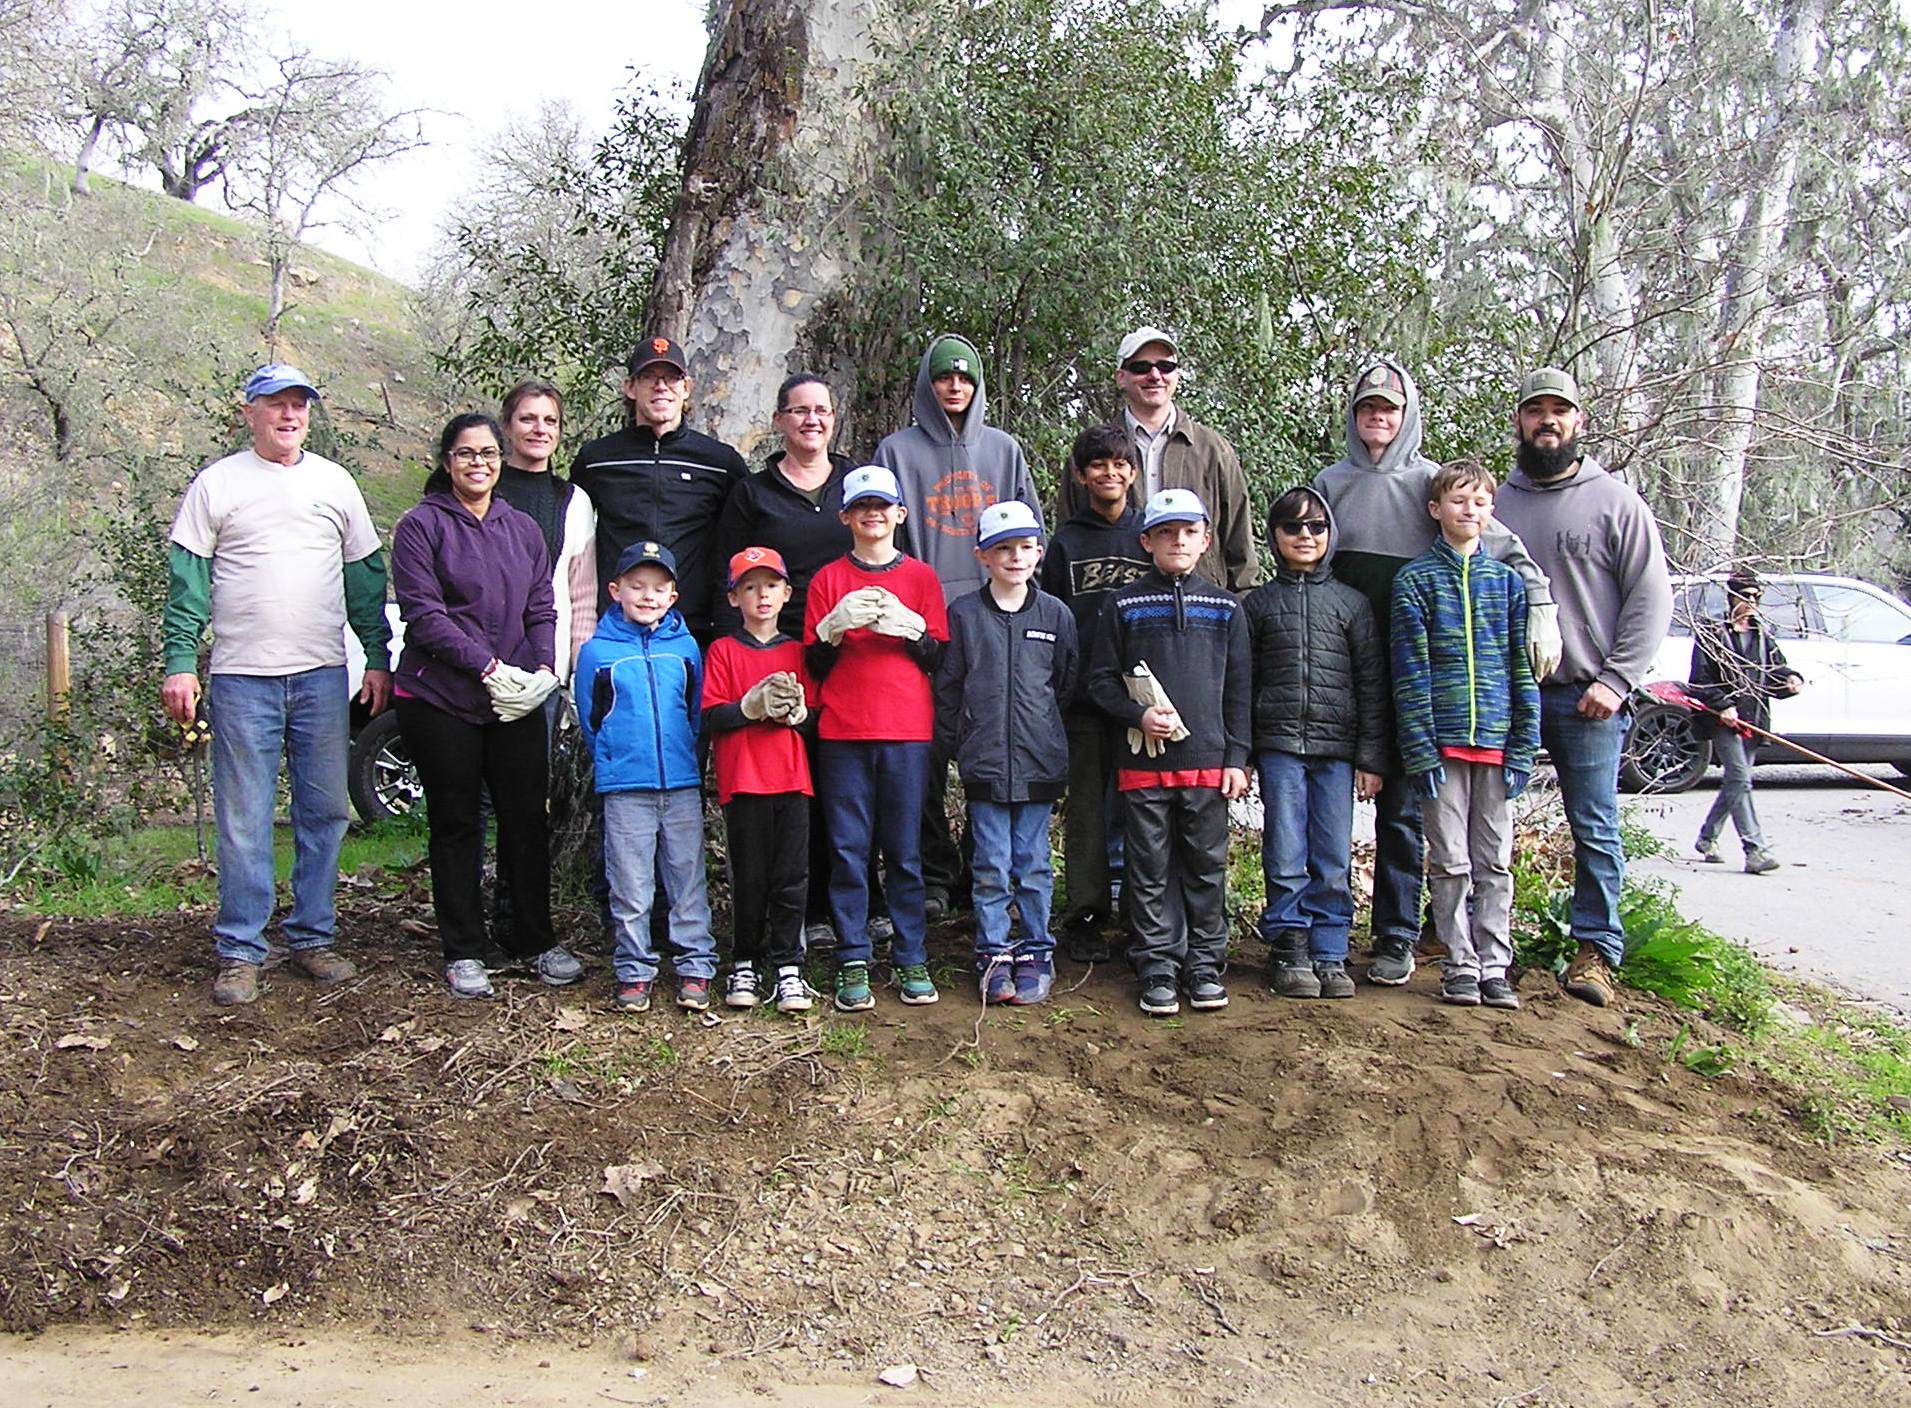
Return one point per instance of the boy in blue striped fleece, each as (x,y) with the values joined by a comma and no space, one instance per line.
(1467,714)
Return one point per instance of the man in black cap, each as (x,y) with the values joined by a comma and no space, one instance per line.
(657,479)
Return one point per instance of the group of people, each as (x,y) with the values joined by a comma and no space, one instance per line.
(834,635)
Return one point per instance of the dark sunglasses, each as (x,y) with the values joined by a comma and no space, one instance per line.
(1294,527)
(1141,366)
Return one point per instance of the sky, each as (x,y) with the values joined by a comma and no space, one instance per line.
(478,66)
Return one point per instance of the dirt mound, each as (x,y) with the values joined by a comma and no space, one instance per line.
(1287,1202)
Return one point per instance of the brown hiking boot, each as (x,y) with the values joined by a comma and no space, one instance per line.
(1588,978)
(237,983)
(324,965)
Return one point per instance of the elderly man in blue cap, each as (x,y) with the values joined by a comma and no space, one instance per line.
(274,549)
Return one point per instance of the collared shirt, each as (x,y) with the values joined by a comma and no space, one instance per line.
(1153,444)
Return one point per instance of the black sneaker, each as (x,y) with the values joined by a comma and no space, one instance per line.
(1335,981)
(1296,980)
(1084,942)
(1497,992)
(1460,990)
(1392,963)
(1205,993)
(1159,999)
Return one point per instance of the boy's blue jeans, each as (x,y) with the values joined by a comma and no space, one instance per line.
(255,718)
(872,800)
(1011,854)
(648,837)
(1585,754)
(1307,829)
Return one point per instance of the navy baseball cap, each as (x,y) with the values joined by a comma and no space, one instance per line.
(278,376)
(642,551)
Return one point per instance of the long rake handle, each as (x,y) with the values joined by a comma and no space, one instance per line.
(1844,768)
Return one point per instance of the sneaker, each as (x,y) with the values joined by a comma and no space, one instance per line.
(633,997)
(1759,861)
(1392,963)
(882,930)
(792,993)
(1159,999)
(467,978)
(1460,990)
(326,965)
(918,988)
(237,983)
(1588,978)
(1497,992)
(1034,977)
(997,981)
(555,967)
(935,907)
(1205,994)
(693,994)
(1708,850)
(1296,980)
(1335,981)
(819,937)
(1084,942)
(740,988)
(852,988)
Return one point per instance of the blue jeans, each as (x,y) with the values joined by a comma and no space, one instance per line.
(872,799)
(1307,831)
(1011,852)
(1734,753)
(652,836)
(1585,755)
(256,718)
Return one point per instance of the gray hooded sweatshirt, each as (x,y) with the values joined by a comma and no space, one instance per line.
(948,477)
(1381,510)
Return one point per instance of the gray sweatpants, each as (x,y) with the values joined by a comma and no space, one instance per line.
(1470,850)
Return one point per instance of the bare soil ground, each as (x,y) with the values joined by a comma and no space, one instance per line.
(1379,1201)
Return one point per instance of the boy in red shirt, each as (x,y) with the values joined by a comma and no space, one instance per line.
(873,627)
(755,698)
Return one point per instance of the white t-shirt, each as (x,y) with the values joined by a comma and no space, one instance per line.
(279,537)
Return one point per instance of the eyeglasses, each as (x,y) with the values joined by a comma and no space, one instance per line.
(807,412)
(464,454)
(1141,366)
(1294,527)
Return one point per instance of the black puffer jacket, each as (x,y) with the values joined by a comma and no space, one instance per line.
(1320,682)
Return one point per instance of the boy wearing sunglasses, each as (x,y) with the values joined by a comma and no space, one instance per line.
(1321,725)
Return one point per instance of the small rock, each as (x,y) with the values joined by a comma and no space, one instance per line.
(899,1375)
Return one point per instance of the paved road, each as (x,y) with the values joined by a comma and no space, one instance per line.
(1839,910)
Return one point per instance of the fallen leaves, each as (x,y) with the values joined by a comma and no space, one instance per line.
(87,1040)
(624,1181)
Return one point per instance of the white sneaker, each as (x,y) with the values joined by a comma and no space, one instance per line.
(467,978)
(740,988)
(792,993)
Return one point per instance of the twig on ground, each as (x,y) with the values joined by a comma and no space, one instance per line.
(1600,1265)
(1864,1332)
(1512,1398)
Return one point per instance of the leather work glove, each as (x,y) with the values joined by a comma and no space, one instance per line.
(537,687)
(1544,644)
(898,620)
(1426,785)
(756,701)
(504,682)
(1516,780)
(857,609)
(785,692)
(1140,742)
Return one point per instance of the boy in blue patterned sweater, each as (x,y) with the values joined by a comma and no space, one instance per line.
(1467,712)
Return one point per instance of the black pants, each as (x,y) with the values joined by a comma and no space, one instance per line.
(456,762)
(945,869)
(1092,761)
(1176,891)
(769,843)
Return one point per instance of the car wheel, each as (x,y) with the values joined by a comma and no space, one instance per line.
(1664,752)
(382,780)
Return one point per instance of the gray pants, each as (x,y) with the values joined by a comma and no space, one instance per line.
(1735,792)
(1470,850)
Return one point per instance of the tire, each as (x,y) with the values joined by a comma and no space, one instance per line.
(381,779)
(1664,751)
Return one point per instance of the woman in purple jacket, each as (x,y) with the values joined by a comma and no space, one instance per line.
(473,579)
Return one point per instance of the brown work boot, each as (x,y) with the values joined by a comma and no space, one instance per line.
(323,965)
(237,983)
(1588,978)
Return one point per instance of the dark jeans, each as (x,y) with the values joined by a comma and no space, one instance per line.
(873,797)
(769,844)
(823,859)
(456,762)
(1400,864)
(1176,891)
(945,870)
(1092,811)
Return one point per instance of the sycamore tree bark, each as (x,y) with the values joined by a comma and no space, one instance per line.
(765,232)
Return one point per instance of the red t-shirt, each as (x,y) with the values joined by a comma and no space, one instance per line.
(760,758)
(877,692)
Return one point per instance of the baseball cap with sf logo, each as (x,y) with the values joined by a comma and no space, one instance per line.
(656,351)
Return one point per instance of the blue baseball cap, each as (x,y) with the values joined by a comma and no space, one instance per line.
(278,376)
(872,481)
(1173,506)
(646,550)
(1009,519)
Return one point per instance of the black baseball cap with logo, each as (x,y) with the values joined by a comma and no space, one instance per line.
(655,351)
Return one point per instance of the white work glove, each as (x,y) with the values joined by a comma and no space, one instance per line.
(859,608)
(898,620)
(1544,644)
(756,701)
(504,682)
(530,696)
(785,697)
(1139,741)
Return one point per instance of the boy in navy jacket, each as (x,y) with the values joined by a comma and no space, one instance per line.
(640,690)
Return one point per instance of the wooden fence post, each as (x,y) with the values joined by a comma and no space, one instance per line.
(59,665)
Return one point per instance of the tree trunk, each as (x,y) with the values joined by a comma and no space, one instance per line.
(765,231)
(83,164)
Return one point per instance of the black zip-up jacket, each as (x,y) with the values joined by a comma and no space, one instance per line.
(1193,637)
(667,489)
(1000,687)
(1320,681)
(1728,673)
(766,511)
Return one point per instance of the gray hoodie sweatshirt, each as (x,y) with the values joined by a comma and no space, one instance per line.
(1380,509)
(948,477)
(1599,544)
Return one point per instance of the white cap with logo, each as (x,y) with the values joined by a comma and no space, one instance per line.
(1011,518)
(872,481)
(1173,506)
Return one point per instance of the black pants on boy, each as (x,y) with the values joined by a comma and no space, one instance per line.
(1176,891)
(457,762)
(769,844)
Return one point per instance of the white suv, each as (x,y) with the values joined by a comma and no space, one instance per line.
(1849,639)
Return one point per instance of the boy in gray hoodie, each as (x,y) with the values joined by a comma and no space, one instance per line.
(1379,496)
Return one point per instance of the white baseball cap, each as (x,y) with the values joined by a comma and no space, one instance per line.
(1009,519)
(1173,506)
(872,481)
(1140,338)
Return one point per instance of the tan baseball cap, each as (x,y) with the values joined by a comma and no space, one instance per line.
(1381,382)
(1549,381)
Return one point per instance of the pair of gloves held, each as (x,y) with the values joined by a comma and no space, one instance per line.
(514,692)
(775,697)
(1426,785)
(876,608)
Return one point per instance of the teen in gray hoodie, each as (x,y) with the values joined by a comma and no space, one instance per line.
(1379,503)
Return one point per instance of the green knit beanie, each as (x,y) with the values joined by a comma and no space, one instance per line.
(954,354)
